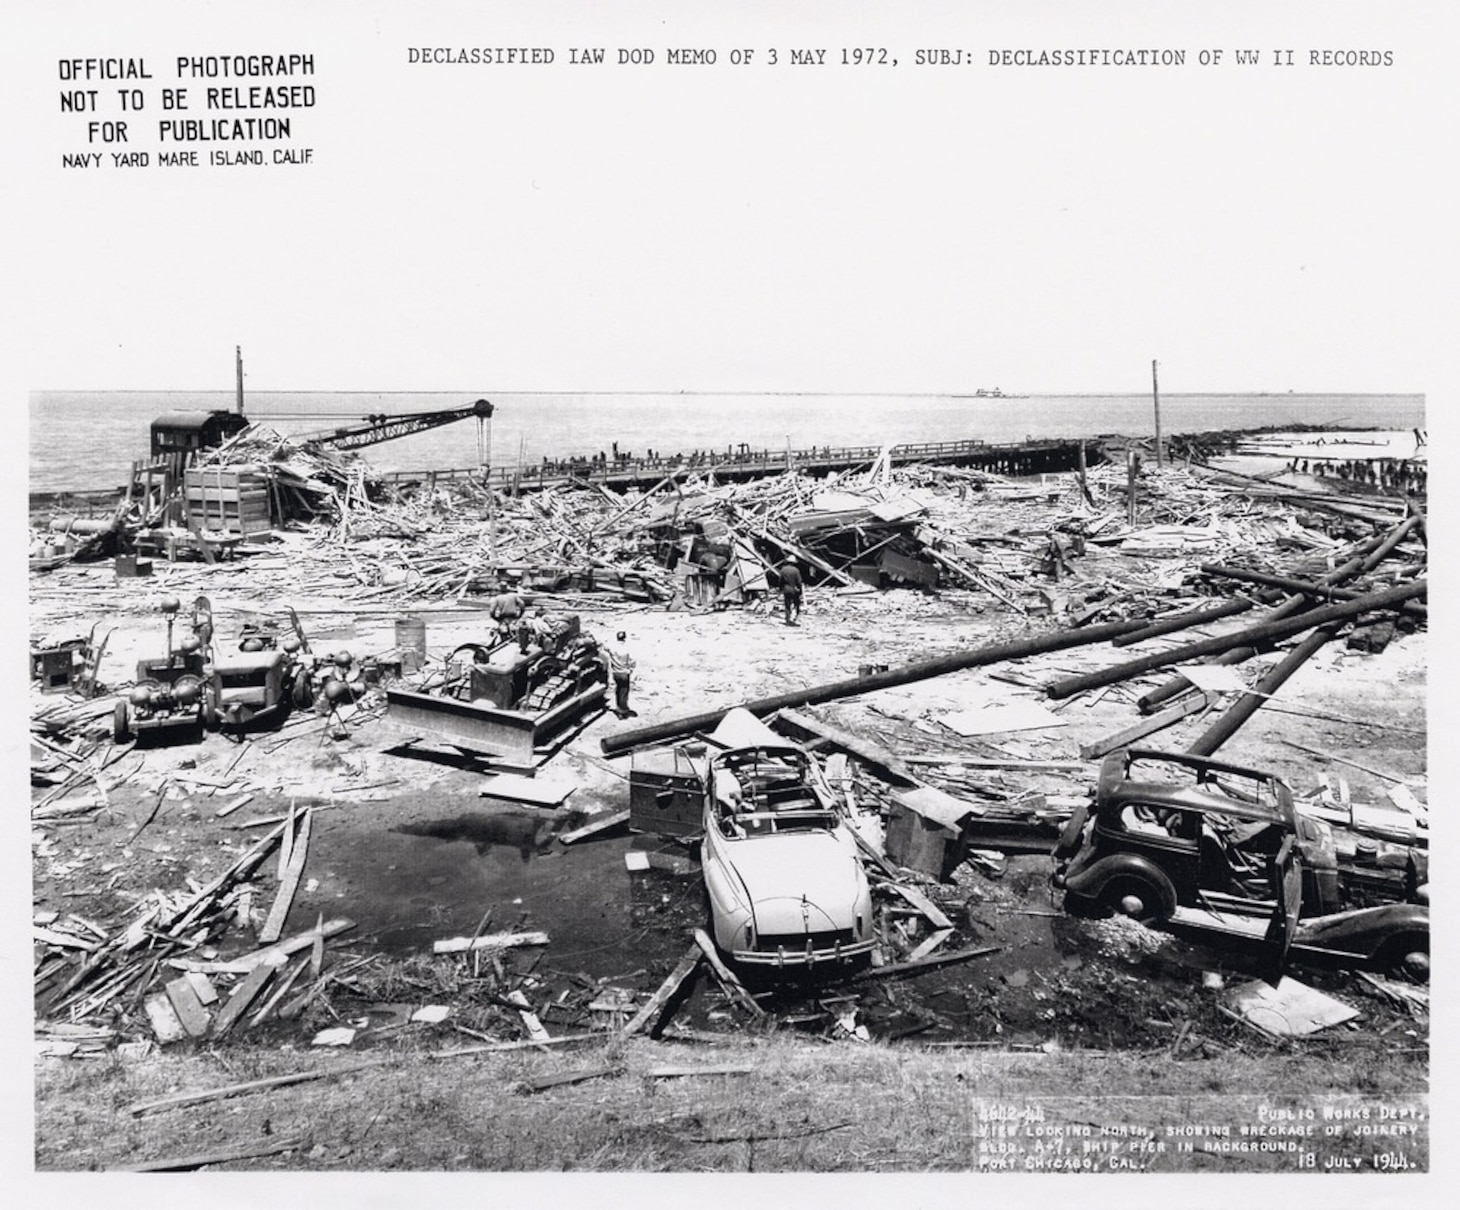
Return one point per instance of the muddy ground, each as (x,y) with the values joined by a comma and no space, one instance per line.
(406,846)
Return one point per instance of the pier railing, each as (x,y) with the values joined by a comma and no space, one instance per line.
(737,461)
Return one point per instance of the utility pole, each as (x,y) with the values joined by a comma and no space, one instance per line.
(238,366)
(1156,396)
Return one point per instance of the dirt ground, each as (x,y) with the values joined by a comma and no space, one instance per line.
(406,846)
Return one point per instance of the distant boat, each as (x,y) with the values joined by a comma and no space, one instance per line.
(982,393)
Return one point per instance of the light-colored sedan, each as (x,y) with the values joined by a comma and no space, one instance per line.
(782,870)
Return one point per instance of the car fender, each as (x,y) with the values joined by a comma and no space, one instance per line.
(1090,882)
(1364,931)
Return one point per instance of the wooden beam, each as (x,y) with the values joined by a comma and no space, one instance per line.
(600,823)
(1146,726)
(289,884)
(651,1010)
(728,979)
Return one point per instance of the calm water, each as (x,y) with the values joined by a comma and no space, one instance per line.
(87,440)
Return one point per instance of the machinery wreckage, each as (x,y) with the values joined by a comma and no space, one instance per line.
(821,850)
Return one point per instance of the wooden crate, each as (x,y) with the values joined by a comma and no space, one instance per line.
(234,502)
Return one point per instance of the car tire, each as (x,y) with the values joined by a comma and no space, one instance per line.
(1406,957)
(121,725)
(1129,895)
(302,692)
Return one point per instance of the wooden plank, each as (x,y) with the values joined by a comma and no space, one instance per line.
(243,995)
(728,979)
(861,748)
(542,1083)
(535,1030)
(206,1158)
(245,963)
(202,987)
(492,941)
(279,912)
(164,1019)
(930,943)
(229,807)
(671,1071)
(1147,726)
(925,905)
(189,1009)
(656,1002)
(600,823)
(925,964)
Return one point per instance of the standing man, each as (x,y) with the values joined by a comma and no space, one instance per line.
(621,668)
(505,609)
(791,588)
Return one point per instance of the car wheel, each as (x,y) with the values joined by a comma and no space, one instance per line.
(1134,897)
(1406,957)
(302,692)
(121,727)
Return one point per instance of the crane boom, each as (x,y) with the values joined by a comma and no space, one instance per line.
(378,428)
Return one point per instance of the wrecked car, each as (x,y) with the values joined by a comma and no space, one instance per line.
(1219,851)
(782,872)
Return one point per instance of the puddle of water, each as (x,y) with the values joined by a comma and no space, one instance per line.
(413,881)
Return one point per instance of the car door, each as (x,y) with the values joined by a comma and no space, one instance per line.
(1285,876)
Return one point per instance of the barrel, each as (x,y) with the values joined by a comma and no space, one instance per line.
(410,639)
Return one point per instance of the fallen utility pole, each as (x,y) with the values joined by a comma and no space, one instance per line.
(1367,556)
(1308,588)
(1057,640)
(1249,703)
(1264,633)
(1181,621)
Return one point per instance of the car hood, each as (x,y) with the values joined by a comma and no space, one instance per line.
(778,871)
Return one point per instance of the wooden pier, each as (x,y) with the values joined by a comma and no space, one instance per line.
(738,463)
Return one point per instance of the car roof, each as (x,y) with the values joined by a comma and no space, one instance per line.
(1194,798)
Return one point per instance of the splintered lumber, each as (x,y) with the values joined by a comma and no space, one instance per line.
(800,552)
(925,964)
(1147,726)
(600,823)
(269,954)
(651,1010)
(243,996)
(535,1029)
(1266,632)
(205,1158)
(1249,703)
(1183,621)
(926,906)
(932,942)
(728,978)
(874,754)
(1056,640)
(289,884)
(492,941)
(1364,558)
